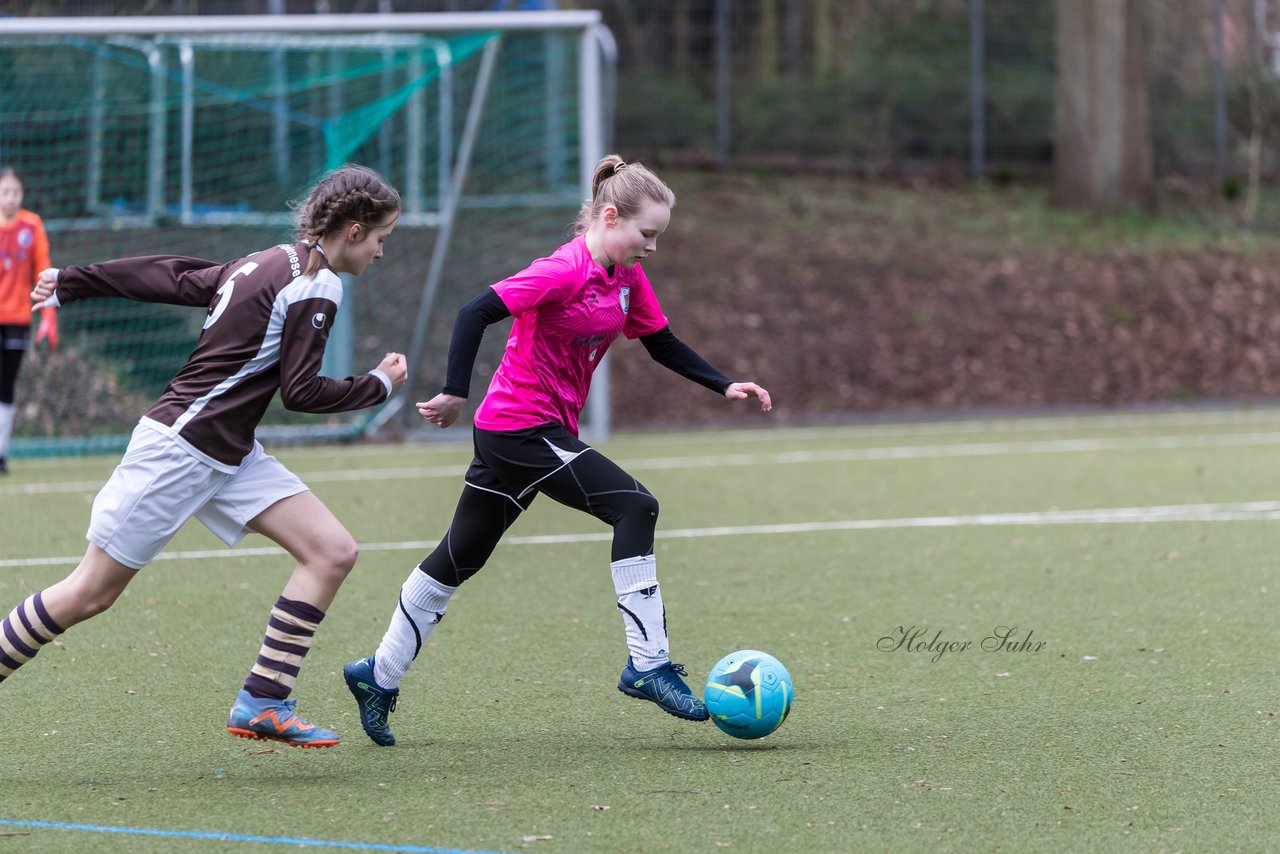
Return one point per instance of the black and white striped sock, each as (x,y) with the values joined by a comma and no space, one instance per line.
(290,631)
(27,628)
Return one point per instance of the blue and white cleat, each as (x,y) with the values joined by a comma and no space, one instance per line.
(663,686)
(376,703)
(268,719)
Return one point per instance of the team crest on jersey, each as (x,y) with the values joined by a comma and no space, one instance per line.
(26,237)
(624,298)
(318,320)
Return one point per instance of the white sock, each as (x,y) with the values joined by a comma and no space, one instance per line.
(422,604)
(640,602)
(6,427)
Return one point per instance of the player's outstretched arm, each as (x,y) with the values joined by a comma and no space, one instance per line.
(741,391)
(468,330)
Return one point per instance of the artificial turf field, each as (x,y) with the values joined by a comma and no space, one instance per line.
(1139,551)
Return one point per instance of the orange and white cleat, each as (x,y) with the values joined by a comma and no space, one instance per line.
(268,719)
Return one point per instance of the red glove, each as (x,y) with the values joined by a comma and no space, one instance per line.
(48,328)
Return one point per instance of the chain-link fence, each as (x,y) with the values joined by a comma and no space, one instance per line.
(951,86)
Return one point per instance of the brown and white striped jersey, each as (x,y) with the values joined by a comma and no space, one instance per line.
(266,329)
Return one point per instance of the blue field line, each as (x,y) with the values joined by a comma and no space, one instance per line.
(239,837)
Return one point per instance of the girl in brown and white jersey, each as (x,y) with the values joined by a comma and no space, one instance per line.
(193,454)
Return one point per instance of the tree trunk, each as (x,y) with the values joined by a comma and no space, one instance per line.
(1102,137)
(683,27)
(824,33)
(767,49)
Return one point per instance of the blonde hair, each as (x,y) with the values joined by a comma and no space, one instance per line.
(626,186)
(348,194)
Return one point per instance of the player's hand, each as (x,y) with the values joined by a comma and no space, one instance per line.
(48,328)
(396,369)
(741,391)
(45,283)
(442,410)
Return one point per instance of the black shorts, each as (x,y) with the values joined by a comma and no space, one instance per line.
(513,462)
(511,468)
(14,336)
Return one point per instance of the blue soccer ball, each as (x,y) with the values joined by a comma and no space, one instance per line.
(749,693)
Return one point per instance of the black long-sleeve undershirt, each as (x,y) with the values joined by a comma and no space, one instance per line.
(473,318)
(670,352)
(488,308)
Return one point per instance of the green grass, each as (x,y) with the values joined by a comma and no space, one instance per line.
(1146,722)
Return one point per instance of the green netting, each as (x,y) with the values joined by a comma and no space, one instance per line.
(196,146)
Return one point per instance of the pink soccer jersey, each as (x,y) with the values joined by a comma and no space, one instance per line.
(567,312)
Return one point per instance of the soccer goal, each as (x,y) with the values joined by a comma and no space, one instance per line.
(191,135)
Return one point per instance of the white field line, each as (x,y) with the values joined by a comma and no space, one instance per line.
(889,452)
(1086,422)
(1252,511)
(1083,422)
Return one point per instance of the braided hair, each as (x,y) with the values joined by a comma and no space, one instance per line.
(626,186)
(348,194)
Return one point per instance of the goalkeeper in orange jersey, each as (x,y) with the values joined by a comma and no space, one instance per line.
(24,252)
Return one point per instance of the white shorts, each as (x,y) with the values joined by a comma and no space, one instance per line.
(158,486)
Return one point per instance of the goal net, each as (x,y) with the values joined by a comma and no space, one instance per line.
(138,136)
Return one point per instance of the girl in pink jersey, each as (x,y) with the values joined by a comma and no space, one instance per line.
(194,452)
(568,309)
